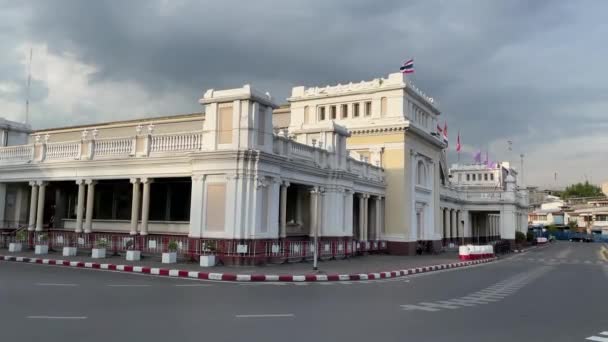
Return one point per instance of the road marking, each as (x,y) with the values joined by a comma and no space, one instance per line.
(56,317)
(266,316)
(192,285)
(55,284)
(128,285)
(599,338)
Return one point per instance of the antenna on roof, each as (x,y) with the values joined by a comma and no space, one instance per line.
(27,96)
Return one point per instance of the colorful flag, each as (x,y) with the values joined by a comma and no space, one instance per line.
(439,128)
(408,66)
(458,146)
(477,157)
(445,131)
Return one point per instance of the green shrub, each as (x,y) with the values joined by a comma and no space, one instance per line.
(101,243)
(529,236)
(21,235)
(520,237)
(172,246)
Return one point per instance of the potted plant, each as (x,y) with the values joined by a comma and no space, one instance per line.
(520,238)
(132,253)
(208,256)
(70,249)
(20,238)
(42,244)
(170,257)
(99,251)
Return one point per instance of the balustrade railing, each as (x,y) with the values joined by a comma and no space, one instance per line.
(113,146)
(186,141)
(17,153)
(62,150)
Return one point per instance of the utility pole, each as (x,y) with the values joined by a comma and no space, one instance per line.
(521,156)
(27,95)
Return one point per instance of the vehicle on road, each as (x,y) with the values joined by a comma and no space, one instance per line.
(581,239)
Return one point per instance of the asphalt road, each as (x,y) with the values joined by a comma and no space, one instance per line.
(557,293)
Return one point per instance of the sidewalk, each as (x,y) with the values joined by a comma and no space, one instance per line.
(356,268)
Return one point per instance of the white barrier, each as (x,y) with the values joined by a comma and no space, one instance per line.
(541,240)
(471,252)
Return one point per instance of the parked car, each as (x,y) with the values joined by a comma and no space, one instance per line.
(581,239)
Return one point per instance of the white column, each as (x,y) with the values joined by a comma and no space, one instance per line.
(40,209)
(88,224)
(33,206)
(348,213)
(366,221)
(378,217)
(314,208)
(283,212)
(80,205)
(18,204)
(145,206)
(361,236)
(2,201)
(134,205)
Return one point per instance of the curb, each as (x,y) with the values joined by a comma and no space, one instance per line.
(244,277)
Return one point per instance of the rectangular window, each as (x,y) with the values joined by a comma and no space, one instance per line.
(216,207)
(225,125)
(368,108)
(332,112)
(344,111)
(491,176)
(473,177)
(355,110)
(601,217)
(321,113)
(383,106)
(485,176)
(468,177)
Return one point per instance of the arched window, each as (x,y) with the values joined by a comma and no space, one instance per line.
(421,173)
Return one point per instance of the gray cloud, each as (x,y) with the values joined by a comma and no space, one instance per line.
(505,69)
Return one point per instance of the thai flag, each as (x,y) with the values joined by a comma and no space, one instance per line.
(407,67)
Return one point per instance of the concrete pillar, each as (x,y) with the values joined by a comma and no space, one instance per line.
(348,213)
(40,209)
(134,205)
(283,211)
(378,224)
(314,208)
(2,203)
(145,206)
(33,205)
(88,224)
(361,236)
(366,221)
(18,205)
(80,205)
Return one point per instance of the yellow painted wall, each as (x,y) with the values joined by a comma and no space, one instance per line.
(397,212)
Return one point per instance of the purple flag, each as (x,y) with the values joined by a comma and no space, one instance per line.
(477,157)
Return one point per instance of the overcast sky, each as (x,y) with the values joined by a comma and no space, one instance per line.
(533,72)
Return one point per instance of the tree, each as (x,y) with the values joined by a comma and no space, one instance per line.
(582,190)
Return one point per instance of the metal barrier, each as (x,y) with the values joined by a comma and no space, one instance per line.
(274,251)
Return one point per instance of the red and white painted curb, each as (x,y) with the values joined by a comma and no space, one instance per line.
(245,277)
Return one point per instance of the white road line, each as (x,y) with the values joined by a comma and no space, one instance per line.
(55,284)
(265,316)
(127,285)
(56,317)
(192,285)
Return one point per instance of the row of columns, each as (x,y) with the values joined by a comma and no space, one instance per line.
(450,223)
(86,188)
(316,210)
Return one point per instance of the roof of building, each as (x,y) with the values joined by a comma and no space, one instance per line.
(121,122)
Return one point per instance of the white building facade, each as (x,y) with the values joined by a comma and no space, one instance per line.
(359,166)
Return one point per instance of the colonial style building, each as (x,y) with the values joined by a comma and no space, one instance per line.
(357,165)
